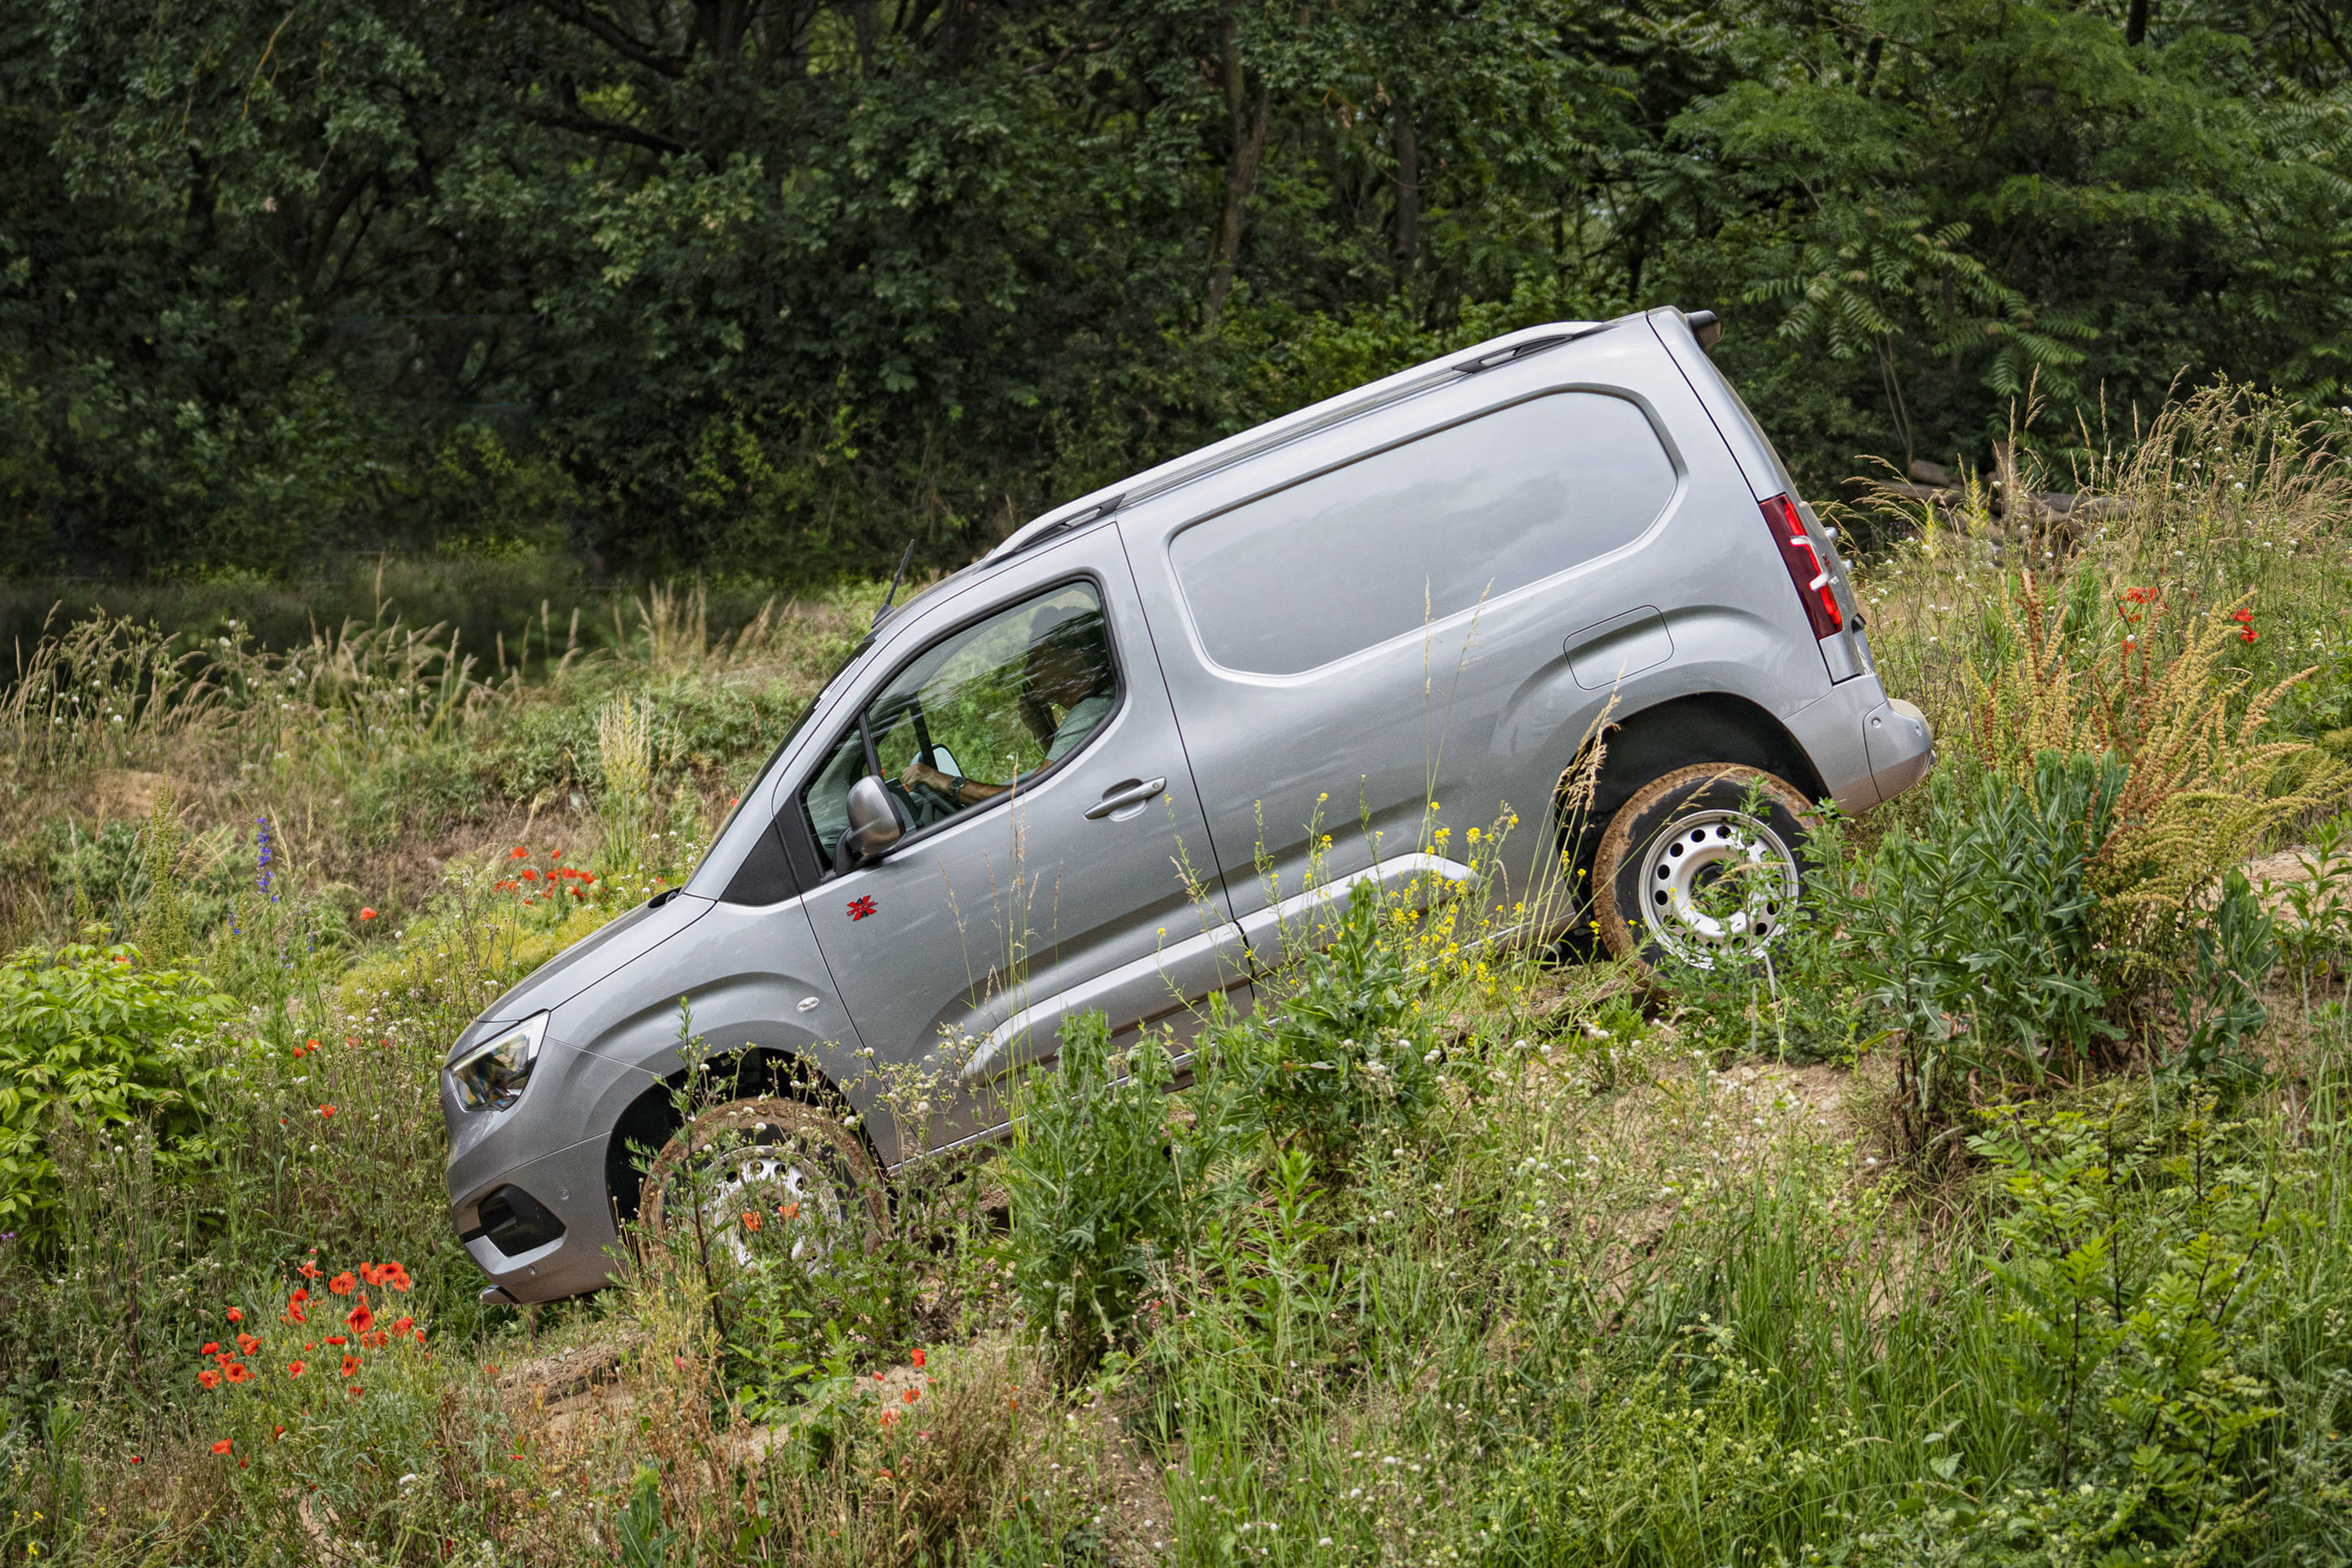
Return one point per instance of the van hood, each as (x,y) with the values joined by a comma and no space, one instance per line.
(587,961)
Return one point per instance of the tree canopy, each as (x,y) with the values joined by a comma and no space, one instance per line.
(771,287)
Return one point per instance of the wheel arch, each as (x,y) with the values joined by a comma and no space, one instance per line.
(648,1120)
(1702,727)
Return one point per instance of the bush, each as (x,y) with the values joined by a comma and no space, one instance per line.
(1093,1190)
(2139,1282)
(87,1033)
(1346,1051)
(1978,932)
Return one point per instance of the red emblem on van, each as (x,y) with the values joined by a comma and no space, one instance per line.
(860,908)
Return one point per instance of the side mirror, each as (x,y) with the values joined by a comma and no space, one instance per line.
(874,824)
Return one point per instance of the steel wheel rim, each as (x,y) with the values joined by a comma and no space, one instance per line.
(1699,852)
(765,1172)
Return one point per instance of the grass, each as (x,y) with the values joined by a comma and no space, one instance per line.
(1555,1273)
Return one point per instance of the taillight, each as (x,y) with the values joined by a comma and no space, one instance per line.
(1805,568)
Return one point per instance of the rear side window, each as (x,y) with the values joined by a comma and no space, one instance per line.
(1421,531)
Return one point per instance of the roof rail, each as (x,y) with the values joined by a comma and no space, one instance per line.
(1291,427)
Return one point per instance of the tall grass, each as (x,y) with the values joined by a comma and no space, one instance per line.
(1450,1256)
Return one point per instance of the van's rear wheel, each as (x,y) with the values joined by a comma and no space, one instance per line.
(1700,864)
(773,1179)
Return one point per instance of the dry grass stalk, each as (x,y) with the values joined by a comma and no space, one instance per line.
(2207,791)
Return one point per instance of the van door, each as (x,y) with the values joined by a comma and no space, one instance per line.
(1390,635)
(1028,740)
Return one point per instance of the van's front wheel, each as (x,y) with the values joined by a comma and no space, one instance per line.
(1701,864)
(772,1179)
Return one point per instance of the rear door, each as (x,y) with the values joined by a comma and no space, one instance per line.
(1046,876)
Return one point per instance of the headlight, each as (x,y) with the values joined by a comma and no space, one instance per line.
(493,1073)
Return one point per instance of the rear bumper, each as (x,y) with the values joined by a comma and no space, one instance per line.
(1902,749)
(1867,747)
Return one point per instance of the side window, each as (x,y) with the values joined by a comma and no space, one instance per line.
(1421,531)
(976,713)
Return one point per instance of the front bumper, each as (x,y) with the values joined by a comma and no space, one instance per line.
(553,1214)
(529,1187)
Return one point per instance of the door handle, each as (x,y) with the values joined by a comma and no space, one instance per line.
(1119,798)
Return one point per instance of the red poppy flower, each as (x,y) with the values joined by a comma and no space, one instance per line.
(2249,635)
(212,1347)
(221,1447)
(360,1317)
(889,1418)
(239,1372)
(209,1378)
(338,1339)
(752,1223)
(341,1283)
(518,853)
(918,1359)
(309,1271)
(402,1325)
(2140,595)
(2244,617)
(296,1368)
(294,1314)
(350,1366)
(326,1110)
(396,1276)
(246,1344)
(367,914)
(355,1391)
(556,855)
(912,1394)
(136,1460)
(237,1314)
(529,876)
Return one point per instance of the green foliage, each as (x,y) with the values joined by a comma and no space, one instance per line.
(1976,932)
(91,1035)
(1093,1190)
(2140,1278)
(1347,1051)
(706,730)
(2317,933)
(2221,998)
(773,301)
(644,1540)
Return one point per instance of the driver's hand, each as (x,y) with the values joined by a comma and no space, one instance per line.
(917,773)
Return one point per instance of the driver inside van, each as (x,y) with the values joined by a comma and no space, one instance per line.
(1067,671)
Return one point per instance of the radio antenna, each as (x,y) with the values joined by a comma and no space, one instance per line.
(895,578)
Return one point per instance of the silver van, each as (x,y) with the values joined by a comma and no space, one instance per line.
(1101,768)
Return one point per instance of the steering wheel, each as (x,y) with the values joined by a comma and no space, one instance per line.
(919,793)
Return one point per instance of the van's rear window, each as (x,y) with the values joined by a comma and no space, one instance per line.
(1422,532)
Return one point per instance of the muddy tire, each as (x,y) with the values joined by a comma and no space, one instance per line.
(776,1179)
(1687,872)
